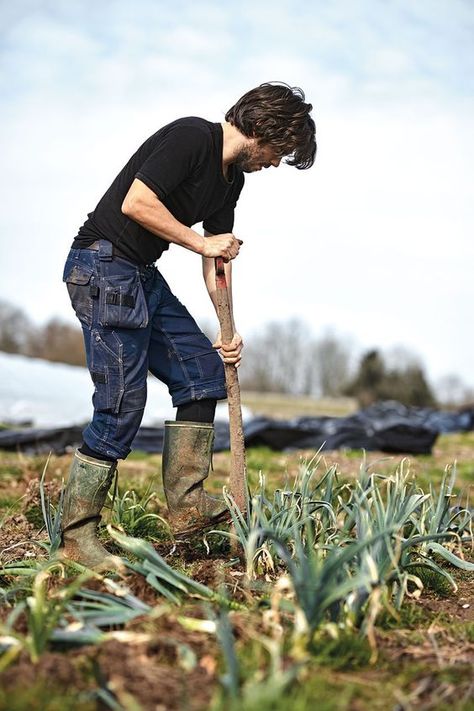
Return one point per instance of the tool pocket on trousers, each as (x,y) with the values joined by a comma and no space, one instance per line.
(107,371)
(199,360)
(122,302)
(78,282)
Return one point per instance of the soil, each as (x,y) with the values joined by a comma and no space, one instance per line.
(458,608)
(172,669)
(63,668)
(17,539)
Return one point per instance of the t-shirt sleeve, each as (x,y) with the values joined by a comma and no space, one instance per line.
(176,155)
(222,220)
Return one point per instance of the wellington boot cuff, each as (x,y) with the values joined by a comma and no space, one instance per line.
(84,497)
(187,453)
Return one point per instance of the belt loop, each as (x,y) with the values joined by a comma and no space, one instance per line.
(105,250)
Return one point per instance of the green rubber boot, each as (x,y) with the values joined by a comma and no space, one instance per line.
(84,497)
(187,452)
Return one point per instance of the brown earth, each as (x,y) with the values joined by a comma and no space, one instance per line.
(166,668)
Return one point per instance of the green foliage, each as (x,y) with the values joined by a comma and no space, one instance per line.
(374,381)
(410,616)
(98,609)
(437,520)
(129,512)
(166,580)
(284,516)
(338,544)
(432,578)
(10,471)
(51,517)
(254,689)
(43,613)
(344,650)
(8,505)
(45,695)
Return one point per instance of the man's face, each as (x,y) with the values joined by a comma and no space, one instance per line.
(255,156)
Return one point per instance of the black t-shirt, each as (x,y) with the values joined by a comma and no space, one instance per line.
(182,164)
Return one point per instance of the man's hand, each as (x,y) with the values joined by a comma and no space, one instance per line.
(232,352)
(225,245)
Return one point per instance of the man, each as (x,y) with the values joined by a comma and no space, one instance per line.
(190,171)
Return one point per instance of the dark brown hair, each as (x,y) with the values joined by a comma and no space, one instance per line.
(277,114)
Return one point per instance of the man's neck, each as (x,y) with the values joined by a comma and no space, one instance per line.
(232,143)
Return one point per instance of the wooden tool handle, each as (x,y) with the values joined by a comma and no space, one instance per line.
(238,471)
(223,304)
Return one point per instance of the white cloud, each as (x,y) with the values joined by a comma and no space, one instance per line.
(376,239)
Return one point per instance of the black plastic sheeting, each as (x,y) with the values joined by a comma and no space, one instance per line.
(387,427)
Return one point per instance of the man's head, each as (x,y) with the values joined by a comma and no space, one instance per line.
(278,120)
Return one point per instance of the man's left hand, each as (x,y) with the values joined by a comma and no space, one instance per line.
(231,352)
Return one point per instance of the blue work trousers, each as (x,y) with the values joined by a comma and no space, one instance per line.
(132,324)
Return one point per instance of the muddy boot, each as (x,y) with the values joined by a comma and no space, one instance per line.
(85,495)
(187,452)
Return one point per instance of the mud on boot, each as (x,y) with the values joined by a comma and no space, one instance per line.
(187,453)
(84,497)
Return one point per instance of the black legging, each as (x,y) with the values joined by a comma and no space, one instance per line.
(197,411)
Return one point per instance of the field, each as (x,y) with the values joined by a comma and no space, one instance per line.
(382,628)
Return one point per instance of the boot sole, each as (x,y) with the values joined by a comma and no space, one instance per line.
(110,562)
(201,526)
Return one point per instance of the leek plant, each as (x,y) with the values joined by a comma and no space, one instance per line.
(323,580)
(105,609)
(395,555)
(162,577)
(394,561)
(51,517)
(43,614)
(260,689)
(129,512)
(437,519)
(72,615)
(24,572)
(285,515)
(402,498)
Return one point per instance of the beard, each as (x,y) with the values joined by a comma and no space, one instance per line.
(245,159)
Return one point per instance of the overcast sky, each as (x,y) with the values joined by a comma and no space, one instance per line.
(374,241)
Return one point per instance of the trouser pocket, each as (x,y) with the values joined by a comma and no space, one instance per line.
(106,360)
(113,392)
(78,282)
(122,302)
(198,359)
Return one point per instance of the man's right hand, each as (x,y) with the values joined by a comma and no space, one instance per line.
(225,245)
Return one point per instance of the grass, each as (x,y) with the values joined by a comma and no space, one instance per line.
(44,695)
(276,405)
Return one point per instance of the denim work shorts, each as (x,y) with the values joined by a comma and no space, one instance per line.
(133,324)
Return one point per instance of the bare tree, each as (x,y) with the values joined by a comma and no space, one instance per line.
(275,360)
(15,328)
(452,391)
(401,358)
(58,341)
(330,366)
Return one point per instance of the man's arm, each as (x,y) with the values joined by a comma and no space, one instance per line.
(232,352)
(143,206)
